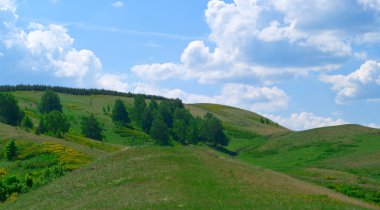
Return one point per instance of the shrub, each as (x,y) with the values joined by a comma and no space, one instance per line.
(10,150)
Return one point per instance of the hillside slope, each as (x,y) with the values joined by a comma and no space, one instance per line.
(344,158)
(179,177)
(238,119)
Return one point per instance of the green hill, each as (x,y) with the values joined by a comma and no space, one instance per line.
(179,178)
(344,158)
(127,171)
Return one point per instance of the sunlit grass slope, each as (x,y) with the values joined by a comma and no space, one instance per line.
(344,158)
(149,177)
(75,106)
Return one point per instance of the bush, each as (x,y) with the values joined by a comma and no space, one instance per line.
(27,123)
(91,127)
(56,123)
(10,150)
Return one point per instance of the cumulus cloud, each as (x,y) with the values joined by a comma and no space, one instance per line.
(264,41)
(305,120)
(364,83)
(47,48)
(237,95)
(112,82)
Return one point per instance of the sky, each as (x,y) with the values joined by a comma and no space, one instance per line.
(304,64)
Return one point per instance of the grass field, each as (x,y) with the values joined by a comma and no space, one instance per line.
(343,158)
(149,177)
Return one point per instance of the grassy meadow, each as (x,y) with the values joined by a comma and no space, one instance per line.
(265,166)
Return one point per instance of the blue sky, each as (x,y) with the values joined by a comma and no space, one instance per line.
(305,64)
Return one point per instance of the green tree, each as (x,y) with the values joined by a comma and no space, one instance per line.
(27,122)
(10,112)
(139,110)
(159,131)
(119,113)
(180,131)
(213,131)
(41,128)
(91,127)
(262,121)
(10,150)
(267,121)
(56,123)
(50,102)
(29,180)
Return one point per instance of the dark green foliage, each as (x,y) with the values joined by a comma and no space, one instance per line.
(29,180)
(10,150)
(27,122)
(41,128)
(267,121)
(50,102)
(10,112)
(139,110)
(262,121)
(9,185)
(73,91)
(159,132)
(91,127)
(56,123)
(213,131)
(119,114)
(180,131)
(166,111)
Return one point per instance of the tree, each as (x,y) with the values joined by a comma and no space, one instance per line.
(180,131)
(29,180)
(166,112)
(27,122)
(50,102)
(262,121)
(91,127)
(10,112)
(10,150)
(41,128)
(56,123)
(120,114)
(213,131)
(182,119)
(139,110)
(159,131)
(267,121)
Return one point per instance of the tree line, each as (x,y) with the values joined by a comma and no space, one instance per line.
(169,121)
(74,91)
(166,121)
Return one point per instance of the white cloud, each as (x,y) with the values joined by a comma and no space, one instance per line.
(373,125)
(237,95)
(112,82)
(118,4)
(305,120)
(264,41)
(364,83)
(50,48)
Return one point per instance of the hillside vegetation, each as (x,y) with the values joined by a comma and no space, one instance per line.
(342,158)
(179,178)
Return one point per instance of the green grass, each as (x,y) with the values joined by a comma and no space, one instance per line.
(75,106)
(343,158)
(178,177)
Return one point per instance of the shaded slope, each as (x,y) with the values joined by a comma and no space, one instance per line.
(179,177)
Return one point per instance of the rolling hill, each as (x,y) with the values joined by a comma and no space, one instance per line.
(144,176)
(149,177)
